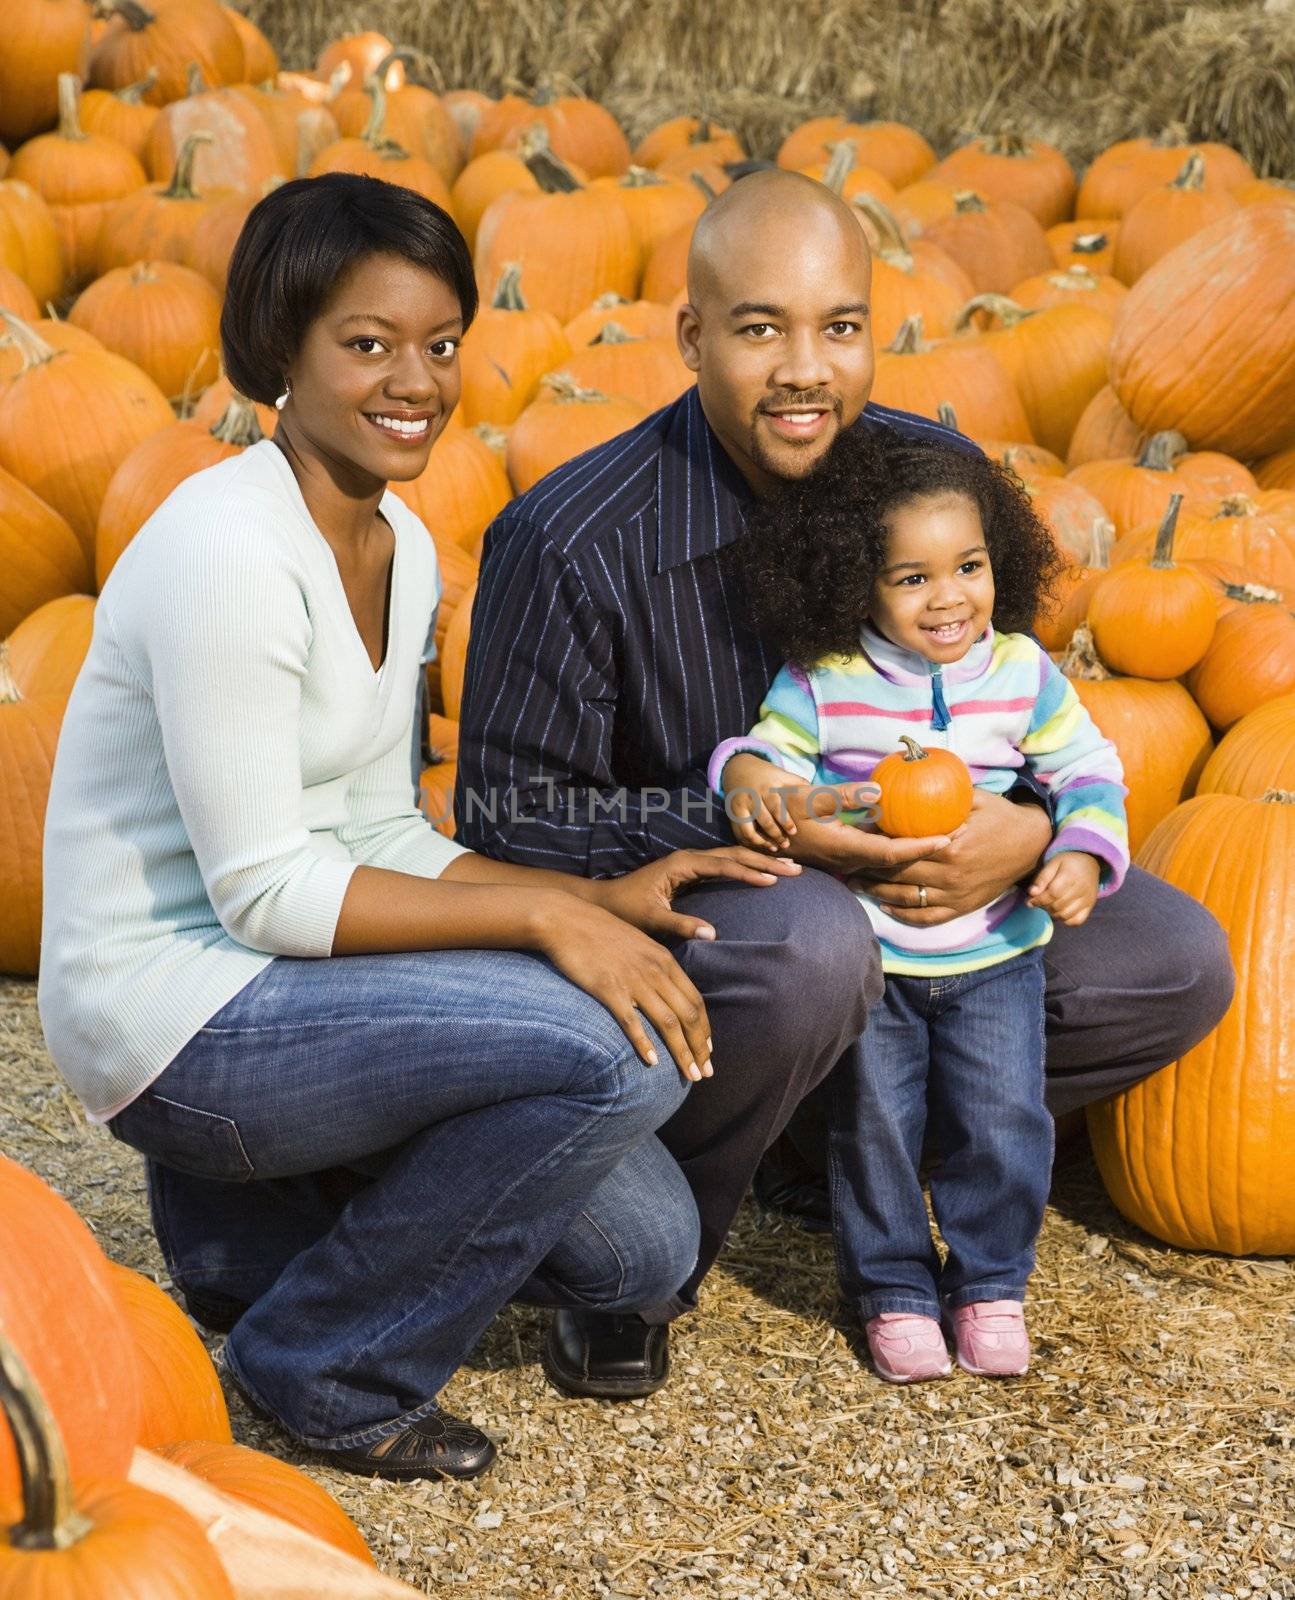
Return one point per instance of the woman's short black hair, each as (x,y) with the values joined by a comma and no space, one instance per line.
(810,560)
(295,247)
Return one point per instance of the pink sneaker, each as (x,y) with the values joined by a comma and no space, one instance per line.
(991,1338)
(907,1348)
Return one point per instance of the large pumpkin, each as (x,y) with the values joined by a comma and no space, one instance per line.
(453,652)
(1199,1153)
(649,371)
(996,243)
(1004,166)
(374,155)
(579,130)
(461,490)
(563,422)
(1119,177)
(1166,217)
(506,352)
(163,317)
(180,1394)
(914,375)
(1250,661)
(29,242)
(241,152)
(159,221)
(893,148)
(40,39)
(60,1309)
(1256,754)
(1136,492)
(167,37)
(1255,532)
(654,205)
(121,114)
(1085,242)
(1105,432)
(40,556)
(912,278)
(1205,342)
(683,134)
(1076,285)
(413,117)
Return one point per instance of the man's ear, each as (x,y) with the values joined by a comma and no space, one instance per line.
(687,334)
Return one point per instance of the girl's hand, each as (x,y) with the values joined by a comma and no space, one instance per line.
(633,976)
(1066,887)
(643,897)
(765,802)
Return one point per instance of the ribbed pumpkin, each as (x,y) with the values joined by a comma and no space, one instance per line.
(41,38)
(168,36)
(1266,191)
(180,1394)
(648,371)
(1199,1153)
(273,1486)
(914,375)
(1205,342)
(572,243)
(1075,285)
(665,272)
(163,317)
(466,108)
(1119,177)
(15,296)
(299,128)
(1250,661)
(1076,519)
(114,405)
(1232,586)
(458,577)
(1055,357)
(892,148)
(241,152)
(1253,532)
(481,183)
(461,490)
(107,1538)
(1256,754)
(59,335)
(1153,618)
(1057,624)
(211,245)
(1105,432)
(355,56)
(158,222)
(506,352)
(1276,471)
(1162,739)
(910,279)
(643,319)
(1136,492)
(1004,166)
(436,784)
(260,61)
(1027,461)
(920,204)
(996,243)
(563,422)
(414,118)
(1166,217)
(40,556)
(454,655)
(923,792)
(376,156)
(655,206)
(58,1304)
(843,174)
(579,131)
(1084,243)
(215,402)
(685,133)
(160,464)
(29,242)
(121,114)
(79,175)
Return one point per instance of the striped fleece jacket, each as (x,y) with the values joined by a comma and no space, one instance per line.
(1002,707)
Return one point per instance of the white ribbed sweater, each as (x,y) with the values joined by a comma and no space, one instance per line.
(228,757)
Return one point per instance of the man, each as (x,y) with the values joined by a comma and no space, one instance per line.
(610,653)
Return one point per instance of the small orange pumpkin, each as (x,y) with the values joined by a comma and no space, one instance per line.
(163,317)
(923,792)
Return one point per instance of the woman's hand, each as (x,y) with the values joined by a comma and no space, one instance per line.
(643,897)
(632,975)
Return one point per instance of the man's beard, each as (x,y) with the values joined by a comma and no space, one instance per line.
(804,462)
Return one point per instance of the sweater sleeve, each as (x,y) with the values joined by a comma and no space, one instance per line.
(1081,770)
(786,734)
(386,828)
(225,654)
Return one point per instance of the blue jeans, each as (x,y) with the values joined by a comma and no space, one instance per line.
(494,1132)
(968,1048)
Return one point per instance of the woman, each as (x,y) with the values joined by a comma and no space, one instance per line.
(259,959)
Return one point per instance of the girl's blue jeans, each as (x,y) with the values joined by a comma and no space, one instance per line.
(499,1130)
(966,1052)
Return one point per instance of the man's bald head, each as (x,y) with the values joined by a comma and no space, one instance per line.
(776,326)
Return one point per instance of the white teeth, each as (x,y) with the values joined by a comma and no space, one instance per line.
(397,425)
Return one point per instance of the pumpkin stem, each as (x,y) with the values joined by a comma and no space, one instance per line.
(566,390)
(1163,555)
(968,200)
(549,171)
(238,423)
(142,272)
(1192,174)
(1161,450)
(707,193)
(1089,244)
(893,249)
(998,305)
(908,341)
(1076,276)
(372,133)
(69,107)
(49,1520)
(131,13)
(401,54)
(1171,134)
(946,415)
(605,302)
(133,94)
(1081,659)
(496,438)
(508,291)
(1252,594)
(1278,797)
(613,333)
(1005,144)
(31,346)
(642,178)
(841,164)
(1235,505)
(914,751)
(10,693)
(181,184)
(701,134)
(195,83)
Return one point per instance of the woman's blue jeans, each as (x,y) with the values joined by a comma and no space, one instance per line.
(967,1050)
(495,1133)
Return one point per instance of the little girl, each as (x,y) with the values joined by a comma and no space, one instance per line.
(900,580)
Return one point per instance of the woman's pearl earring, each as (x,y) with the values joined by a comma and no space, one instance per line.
(283,398)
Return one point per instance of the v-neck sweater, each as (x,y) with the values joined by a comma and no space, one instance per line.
(228,757)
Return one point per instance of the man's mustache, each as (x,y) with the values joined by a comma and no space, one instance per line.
(802,400)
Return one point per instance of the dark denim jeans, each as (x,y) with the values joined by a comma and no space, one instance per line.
(493,1131)
(967,1050)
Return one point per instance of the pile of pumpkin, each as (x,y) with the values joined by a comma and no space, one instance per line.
(1118,340)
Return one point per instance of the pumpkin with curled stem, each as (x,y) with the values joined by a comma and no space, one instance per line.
(923,792)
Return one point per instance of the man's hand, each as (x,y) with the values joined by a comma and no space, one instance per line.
(1066,887)
(999,844)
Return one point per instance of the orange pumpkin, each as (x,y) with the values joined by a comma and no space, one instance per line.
(454,655)
(29,242)
(1161,737)
(655,206)
(1256,754)
(914,375)
(666,269)
(1250,661)
(163,317)
(642,319)
(684,134)
(376,156)
(215,402)
(891,148)
(1137,492)
(923,792)
(909,278)
(40,555)
(260,61)
(920,204)
(115,406)
(649,371)
(298,127)
(466,108)
(166,36)
(461,490)
(1084,243)
(158,222)
(1276,471)
(563,422)
(1206,338)
(1119,177)
(436,785)
(458,577)
(215,233)
(356,56)
(506,352)
(1198,1153)
(1076,519)
(1026,172)
(59,335)
(1153,618)
(414,118)
(38,42)
(1028,461)
(121,114)
(15,296)
(996,243)
(482,181)
(578,130)
(1105,432)
(79,175)
(1166,217)
(1253,532)
(241,152)
(180,1394)
(1076,285)
(1057,623)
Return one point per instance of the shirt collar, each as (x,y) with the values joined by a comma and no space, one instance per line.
(700,492)
(910,666)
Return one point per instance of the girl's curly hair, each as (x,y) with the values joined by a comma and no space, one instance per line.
(811,555)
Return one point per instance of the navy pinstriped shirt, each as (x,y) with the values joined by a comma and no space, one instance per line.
(610,652)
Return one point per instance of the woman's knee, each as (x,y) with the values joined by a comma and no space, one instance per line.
(608,1071)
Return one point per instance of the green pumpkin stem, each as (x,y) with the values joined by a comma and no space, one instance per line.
(547,168)
(69,108)
(33,349)
(49,1519)
(908,340)
(1192,174)
(508,291)
(181,184)
(946,416)
(1164,551)
(374,131)
(893,249)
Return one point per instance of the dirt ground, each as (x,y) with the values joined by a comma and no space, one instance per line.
(1149,1453)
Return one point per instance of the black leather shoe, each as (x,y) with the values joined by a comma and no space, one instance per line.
(606,1357)
(798,1194)
(440,1446)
